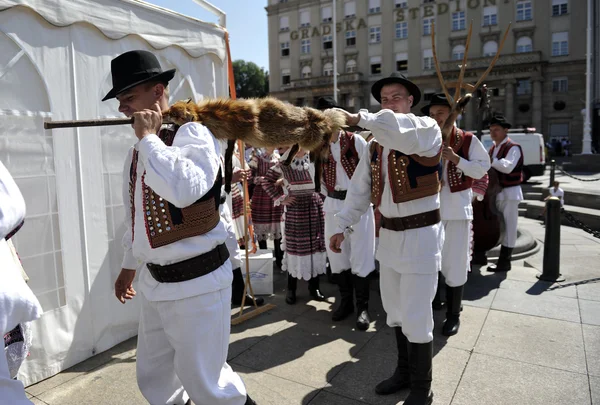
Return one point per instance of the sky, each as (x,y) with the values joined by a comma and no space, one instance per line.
(246,23)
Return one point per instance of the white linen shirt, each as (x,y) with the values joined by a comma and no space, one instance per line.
(181,174)
(506,166)
(457,206)
(414,250)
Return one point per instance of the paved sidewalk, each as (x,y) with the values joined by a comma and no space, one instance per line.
(521,341)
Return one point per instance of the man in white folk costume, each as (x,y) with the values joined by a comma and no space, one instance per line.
(400,173)
(357,259)
(507,160)
(464,159)
(176,239)
(18,304)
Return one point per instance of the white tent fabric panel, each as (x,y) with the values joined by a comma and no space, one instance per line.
(72,178)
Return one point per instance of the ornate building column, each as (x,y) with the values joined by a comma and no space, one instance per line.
(537,104)
(509,100)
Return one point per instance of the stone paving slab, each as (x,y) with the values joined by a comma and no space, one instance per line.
(590,312)
(497,381)
(327,398)
(546,306)
(471,323)
(539,287)
(591,339)
(535,340)
(590,290)
(595,388)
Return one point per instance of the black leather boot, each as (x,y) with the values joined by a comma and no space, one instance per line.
(421,374)
(454,302)
(262,244)
(249,400)
(290,296)
(346,307)
(503,263)
(437,302)
(237,290)
(313,289)
(401,378)
(479,258)
(361,288)
(278,252)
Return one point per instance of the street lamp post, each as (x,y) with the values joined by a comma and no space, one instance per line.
(335,70)
(587,124)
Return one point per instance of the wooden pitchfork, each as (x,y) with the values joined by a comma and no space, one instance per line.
(458,102)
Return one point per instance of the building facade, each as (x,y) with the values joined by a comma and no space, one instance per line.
(538,80)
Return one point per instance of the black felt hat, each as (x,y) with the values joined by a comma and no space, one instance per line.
(133,68)
(323,103)
(436,99)
(399,78)
(499,119)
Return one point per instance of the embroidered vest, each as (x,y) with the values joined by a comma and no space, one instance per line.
(461,142)
(166,223)
(515,177)
(410,176)
(349,160)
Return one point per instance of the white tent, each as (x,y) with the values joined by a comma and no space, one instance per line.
(55,64)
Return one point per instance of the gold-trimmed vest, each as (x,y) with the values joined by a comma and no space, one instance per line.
(410,176)
(461,142)
(515,177)
(348,158)
(164,222)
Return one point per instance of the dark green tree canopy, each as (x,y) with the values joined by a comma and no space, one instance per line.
(250,80)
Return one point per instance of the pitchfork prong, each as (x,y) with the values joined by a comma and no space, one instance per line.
(464,65)
(482,78)
(437,67)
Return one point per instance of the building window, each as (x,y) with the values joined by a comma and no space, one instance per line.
(428,1)
(490,48)
(327,41)
(351,66)
(328,69)
(327,14)
(524,44)
(305,46)
(351,38)
(401,62)
(458,52)
(285,77)
(524,11)
(427,22)
(401,30)
(374,6)
(490,16)
(349,9)
(523,87)
(458,21)
(375,65)
(284,23)
(401,4)
(305,18)
(374,35)
(428,59)
(559,131)
(285,49)
(560,85)
(560,7)
(560,43)
(306,72)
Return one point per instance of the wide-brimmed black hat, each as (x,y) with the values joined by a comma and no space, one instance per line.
(133,68)
(400,79)
(499,119)
(436,99)
(323,103)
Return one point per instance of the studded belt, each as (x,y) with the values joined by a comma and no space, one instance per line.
(412,221)
(337,194)
(191,268)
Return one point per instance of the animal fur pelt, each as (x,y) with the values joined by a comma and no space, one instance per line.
(261,122)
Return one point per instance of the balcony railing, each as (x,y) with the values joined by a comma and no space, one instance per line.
(325,80)
(503,60)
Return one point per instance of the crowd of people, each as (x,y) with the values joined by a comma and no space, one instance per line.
(401,196)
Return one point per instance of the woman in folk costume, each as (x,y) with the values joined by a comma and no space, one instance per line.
(304,222)
(237,197)
(357,260)
(18,304)
(266,217)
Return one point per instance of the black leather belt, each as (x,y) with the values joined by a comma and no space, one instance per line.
(337,194)
(412,221)
(191,268)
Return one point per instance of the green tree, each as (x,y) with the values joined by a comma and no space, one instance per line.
(250,80)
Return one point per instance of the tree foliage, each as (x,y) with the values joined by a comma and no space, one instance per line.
(250,80)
